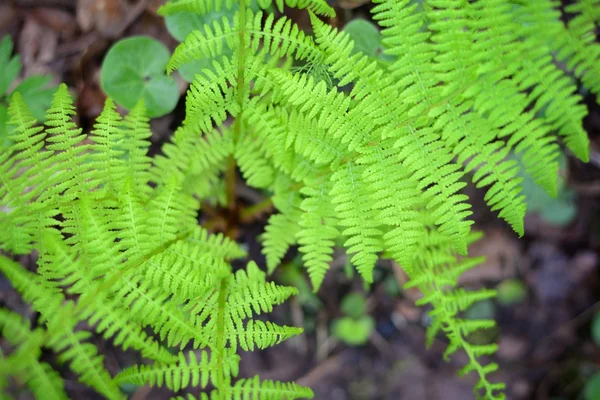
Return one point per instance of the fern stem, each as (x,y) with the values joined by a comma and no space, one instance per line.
(253,212)
(241,78)
(220,342)
(238,125)
(230,183)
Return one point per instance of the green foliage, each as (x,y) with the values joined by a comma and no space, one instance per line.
(34,89)
(559,210)
(125,256)
(596,329)
(591,391)
(511,291)
(367,38)
(133,70)
(180,24)
(356,326)
(368,153)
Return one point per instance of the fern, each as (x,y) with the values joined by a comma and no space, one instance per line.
(370,154)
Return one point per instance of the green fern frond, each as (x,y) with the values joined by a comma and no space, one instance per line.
(279,235)
(211,97)
(108,139)
(82,357)
(240,296)
(43,381)
(352,206)
(281,39)
(136,132)
(436,273)
(257,171)
(194,6)
(254,388)
(195,160)
(184,373)
(259,334)
(318,231)
(204,6)
(219,245)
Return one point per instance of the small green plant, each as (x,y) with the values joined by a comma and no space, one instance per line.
(511,291)
(355,326)
(35,90)
(371,154)
(134,69)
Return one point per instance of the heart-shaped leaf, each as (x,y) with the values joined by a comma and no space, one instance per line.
(134,69)
(354,332)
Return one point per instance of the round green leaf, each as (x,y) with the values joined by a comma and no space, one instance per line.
(591,391)
(483,309)
(134,69)
(354,305)
(181,24)
(596,329)
(367,38)
(511,291)
(354,332)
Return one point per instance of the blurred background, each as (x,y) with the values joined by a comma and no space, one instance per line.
(360,342)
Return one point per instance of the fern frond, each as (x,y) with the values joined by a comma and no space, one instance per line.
(65,140)
(239,297)
(255,168)
(108,139)
(254,388)
(205,6)
(195,160)
(219,245)
(184,373)
(201,7)
(136,132)
(317,231)
(170,212)
(211,96)
(436,273)
(43,381)
(82,357)
(259,334)
(279,235)
(352,202)
(283,38)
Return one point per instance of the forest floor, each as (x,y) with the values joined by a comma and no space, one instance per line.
(550,277)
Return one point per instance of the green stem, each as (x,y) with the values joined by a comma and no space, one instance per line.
(241,78)
(241,88)
(220,341)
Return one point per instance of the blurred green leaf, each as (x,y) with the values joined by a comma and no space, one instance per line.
(591,391)
(354,305)
(134,69)
(3,126)
(596,329)
(37,94)
(353,331)
(556,211)
(481,310)
(511,291)
(367,38)
(9,67)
